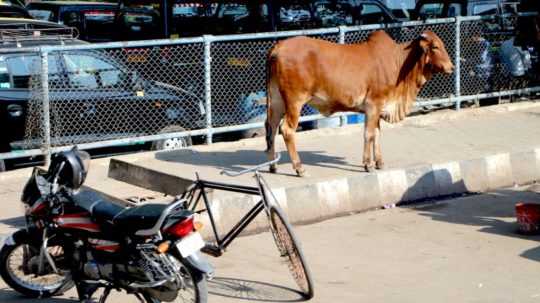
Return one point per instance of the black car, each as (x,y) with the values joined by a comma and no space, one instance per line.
(93,20)
(93,95)
(451,8)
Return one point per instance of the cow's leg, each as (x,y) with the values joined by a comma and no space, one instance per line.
(288,130)
(369,139)
(379,164)
(276,110)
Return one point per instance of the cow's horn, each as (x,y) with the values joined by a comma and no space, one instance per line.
(424,36)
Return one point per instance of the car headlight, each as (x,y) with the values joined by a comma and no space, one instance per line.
(15,110)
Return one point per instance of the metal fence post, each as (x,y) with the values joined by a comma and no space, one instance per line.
(457,65)
(208,86)
(44,77)
(342,31)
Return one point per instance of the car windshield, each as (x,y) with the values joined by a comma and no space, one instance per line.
(485,9)
(333,13)
(42,14)
(401,8)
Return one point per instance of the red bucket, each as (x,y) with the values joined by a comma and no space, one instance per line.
(528,217)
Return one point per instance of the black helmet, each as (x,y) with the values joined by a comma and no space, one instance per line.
(71,166)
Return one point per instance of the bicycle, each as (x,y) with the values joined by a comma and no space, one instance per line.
(284,237)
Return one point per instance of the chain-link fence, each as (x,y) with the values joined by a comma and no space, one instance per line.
(167,90)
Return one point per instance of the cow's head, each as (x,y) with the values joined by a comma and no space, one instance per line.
(436,57)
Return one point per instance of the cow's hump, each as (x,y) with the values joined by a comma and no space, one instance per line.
(380,37)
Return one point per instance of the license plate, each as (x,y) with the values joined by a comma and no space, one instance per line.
(190,244)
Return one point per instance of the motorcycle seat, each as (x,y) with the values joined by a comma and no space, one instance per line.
(124,219)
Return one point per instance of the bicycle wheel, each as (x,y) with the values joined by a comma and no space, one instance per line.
(290,249)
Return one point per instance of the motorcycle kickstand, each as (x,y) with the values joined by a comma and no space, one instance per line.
(138,296)
(105,294)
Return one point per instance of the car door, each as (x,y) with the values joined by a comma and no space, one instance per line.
(20,113)
(106,100)
(95,103)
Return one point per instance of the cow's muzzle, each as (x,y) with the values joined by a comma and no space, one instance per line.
(448,68)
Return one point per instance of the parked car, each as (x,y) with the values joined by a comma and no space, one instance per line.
(93,20)
(451,8)
(13,9)
(93,95)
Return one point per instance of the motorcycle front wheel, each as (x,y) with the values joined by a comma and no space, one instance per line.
(18,268)
(195,288)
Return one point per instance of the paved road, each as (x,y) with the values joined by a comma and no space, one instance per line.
(460,250)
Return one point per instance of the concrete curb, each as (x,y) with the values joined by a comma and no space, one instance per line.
(333,198)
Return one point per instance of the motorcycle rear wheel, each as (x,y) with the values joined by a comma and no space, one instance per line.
(12,272)
(196,288)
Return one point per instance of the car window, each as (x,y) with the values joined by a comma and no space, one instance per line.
(333,13)
(183,10)
(485,9)
(43,14)
(454,10)
(5,81)
(431,10)
(138,12)
(90,72)
(510,8)
(370,13)
(233,10)
(16,71)
(294,13)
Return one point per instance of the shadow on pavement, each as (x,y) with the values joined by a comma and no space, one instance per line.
(16,222)
(237,160)
(492,212)
(252,291)
(10,296)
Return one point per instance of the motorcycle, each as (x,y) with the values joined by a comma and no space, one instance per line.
(76,238)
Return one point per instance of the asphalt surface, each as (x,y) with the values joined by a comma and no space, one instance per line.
(460,250)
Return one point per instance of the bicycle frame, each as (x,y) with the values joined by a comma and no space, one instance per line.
(200,186)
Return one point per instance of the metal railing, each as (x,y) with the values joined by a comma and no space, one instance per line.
(109,94)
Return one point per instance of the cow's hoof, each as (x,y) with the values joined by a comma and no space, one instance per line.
(379,165)
(301,172)
(369,168)
(273,169)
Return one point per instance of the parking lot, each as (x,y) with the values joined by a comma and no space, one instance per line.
(460,250)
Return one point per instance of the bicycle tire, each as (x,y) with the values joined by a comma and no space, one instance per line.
(289,248)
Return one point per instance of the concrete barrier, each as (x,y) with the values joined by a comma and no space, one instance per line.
(332,198)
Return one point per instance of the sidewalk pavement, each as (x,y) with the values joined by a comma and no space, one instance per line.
(429,156)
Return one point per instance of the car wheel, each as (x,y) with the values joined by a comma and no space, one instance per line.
(172,143)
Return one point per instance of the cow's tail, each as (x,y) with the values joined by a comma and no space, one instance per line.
(270,71)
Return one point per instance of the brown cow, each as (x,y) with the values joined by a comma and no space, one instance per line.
(379,77)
